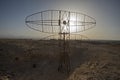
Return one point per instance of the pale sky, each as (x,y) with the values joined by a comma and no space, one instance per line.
(106,13)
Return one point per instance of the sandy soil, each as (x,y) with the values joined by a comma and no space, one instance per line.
(38,60)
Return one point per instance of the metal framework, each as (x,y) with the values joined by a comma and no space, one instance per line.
(62,23)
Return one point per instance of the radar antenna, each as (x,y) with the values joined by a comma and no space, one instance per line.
(63,23)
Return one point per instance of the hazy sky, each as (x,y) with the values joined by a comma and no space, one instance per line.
(106,13)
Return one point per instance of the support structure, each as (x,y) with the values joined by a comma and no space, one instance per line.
(64,59)
(64,37)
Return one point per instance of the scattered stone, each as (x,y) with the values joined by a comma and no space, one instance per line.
(34,65)
(16,58)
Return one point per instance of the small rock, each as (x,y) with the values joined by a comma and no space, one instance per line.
(4,78)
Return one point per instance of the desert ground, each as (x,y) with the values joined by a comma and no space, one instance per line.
(27,59)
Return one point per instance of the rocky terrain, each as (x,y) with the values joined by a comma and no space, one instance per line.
(38,60)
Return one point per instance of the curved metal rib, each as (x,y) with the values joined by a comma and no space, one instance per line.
(52,21)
